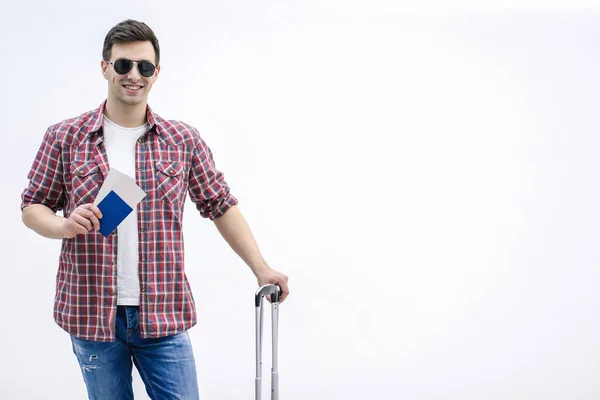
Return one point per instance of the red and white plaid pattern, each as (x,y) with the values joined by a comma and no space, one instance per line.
(171,160)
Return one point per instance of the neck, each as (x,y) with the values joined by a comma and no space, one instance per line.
(126,115)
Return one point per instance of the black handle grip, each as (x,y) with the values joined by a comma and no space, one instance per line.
(265,290)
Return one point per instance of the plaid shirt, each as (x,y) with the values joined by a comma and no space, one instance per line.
(171,160)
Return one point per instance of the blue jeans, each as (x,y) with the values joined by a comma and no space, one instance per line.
(166,365)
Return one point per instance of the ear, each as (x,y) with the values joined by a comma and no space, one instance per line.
(104,67)
(157,72)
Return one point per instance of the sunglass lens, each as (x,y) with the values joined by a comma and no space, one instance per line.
(123,66)
(146,68)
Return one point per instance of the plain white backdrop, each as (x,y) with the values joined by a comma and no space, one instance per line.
(427,176)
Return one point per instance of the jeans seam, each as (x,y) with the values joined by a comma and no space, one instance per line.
(148,381)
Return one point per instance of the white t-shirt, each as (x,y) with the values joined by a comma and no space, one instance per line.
(120,148)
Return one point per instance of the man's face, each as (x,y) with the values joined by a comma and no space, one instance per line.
(130,88)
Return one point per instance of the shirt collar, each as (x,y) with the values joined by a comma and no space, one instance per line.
(97,122)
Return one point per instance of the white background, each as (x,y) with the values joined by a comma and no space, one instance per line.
(426,175)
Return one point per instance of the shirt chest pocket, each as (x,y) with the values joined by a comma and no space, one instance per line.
(170,180)
(86,180)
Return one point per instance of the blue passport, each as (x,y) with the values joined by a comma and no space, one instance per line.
(114,211)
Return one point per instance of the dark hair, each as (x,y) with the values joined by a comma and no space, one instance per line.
(130,31)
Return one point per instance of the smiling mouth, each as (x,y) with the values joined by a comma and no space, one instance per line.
(132,87)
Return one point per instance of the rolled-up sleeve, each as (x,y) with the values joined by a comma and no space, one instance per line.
(207,186)
(46,175)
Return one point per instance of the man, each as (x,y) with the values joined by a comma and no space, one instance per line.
(125,299)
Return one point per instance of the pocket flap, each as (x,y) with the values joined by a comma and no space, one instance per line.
(170,168)
(84,168)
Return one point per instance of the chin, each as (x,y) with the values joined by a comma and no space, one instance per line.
(133,101)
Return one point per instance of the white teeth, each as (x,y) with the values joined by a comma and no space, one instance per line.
(132,87)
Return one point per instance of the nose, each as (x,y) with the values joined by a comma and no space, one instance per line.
(134,74)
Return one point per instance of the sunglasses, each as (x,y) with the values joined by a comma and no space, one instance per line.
(123,66)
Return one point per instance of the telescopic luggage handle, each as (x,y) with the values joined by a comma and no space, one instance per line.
(275,292)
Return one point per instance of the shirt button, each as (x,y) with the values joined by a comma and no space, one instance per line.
(111,293)
(141,229)
(112,263)
(143,289)
(139,140)
(139,169)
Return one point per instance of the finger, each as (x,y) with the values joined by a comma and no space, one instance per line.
(83,221)
(73,228)
(93,209)
(95,222)
(284,286)
(284,296)
(91,217)
(285,291)
(80,229)
(96,211)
